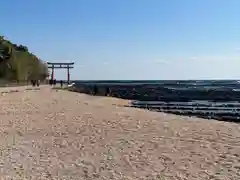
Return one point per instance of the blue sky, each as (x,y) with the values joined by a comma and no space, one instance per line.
(130,39)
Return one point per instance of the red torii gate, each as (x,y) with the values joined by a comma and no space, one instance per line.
(67,66)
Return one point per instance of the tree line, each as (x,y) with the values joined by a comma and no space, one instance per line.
(18,64)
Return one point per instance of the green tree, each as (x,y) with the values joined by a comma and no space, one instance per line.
(17,63)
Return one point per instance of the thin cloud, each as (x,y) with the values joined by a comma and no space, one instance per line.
(105,63)
(161,61)
(194,58)
(237,49)
(213,58)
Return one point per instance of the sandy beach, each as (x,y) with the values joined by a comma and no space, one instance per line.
(56,134)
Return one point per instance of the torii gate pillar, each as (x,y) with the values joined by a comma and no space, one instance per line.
(68,76)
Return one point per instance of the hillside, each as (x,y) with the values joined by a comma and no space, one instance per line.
(18,64)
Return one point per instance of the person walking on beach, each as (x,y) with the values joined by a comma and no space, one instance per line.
(95,90)
(107,91)
(33,83)
(51,82)
(38,82)
(54,82)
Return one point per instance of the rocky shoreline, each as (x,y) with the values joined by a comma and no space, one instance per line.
(155,92)
(220,104)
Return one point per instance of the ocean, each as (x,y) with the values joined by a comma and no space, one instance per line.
(209,99)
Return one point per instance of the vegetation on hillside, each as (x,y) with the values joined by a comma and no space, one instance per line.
(18,64)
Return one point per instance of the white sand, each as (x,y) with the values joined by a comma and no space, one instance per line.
(51,134)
